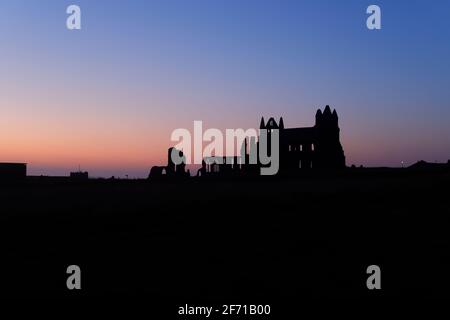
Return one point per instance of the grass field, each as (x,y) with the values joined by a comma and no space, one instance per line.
(221,240)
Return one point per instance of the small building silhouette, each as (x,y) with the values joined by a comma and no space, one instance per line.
(13,171)
(79,176)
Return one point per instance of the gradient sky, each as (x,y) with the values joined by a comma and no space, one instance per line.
(107,97)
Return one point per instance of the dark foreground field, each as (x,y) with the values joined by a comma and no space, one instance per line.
(217,241)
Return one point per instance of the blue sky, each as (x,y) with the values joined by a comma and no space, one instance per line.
(139,69)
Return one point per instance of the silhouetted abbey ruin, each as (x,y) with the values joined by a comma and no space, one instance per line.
(301,150)
(316,147)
